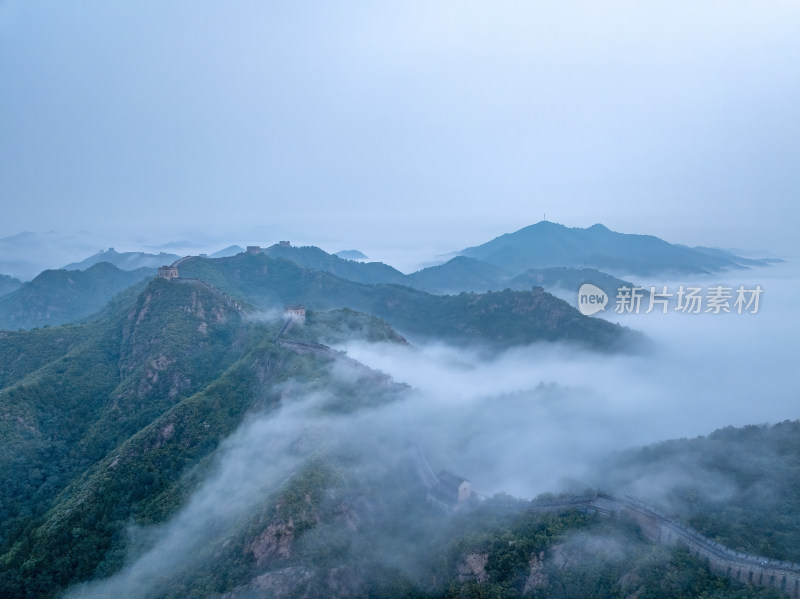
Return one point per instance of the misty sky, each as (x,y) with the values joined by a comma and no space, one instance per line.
(416,125)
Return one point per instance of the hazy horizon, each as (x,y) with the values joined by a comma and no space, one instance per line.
(55,249)
(400,127)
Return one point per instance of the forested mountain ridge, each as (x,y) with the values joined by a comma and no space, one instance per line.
(124,260)
(103,426)
(179,410)
(9,284)
(730,485)
(500,319)
(56,297)
(457,275)
(494,319)
(547,244)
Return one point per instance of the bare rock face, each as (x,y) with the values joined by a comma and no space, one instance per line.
(473,567)
(286,582)
(282,582)
(563,556)
(275,541)
(299,582)
(344,582)
(537,578)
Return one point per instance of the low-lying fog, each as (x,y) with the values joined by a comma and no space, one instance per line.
(538,418)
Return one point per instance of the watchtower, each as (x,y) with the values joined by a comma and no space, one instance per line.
(296,312)
(168,272)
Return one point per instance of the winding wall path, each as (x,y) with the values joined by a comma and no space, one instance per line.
(658,528)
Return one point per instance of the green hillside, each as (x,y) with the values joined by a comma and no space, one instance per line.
(496,319)
(738,486)
(9,284)
(568,279)
(504,318)
(124,260)
(110,421)
(177,446)
(317,259)
(60,296)
(459,274)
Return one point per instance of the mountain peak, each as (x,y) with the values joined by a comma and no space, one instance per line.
(544,224)
(548,245)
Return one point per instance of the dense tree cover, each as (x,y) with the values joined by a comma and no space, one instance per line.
(114,424)
(317,259)
(307,275)
(498,319)
(568,278)
(9,284)
(460,274)
(103,422)
(739,486)
(499,550)
(22,353)
(59,296)
(592,558)
(68,413)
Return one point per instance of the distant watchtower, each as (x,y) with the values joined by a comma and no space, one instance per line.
(253,249)
(457,488)
(296,312)
(285,244)
(168,272)
(452,491)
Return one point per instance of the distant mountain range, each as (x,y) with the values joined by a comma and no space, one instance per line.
(8,284)
(461,274)
(505,318)
(59,296)
(25,255)
(539,246)
(317,259)
(124,260)
(544,255)
(547,245)
(269,280)
(231,250)
(351,255)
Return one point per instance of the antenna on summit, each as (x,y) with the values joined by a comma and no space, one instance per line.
(544,216)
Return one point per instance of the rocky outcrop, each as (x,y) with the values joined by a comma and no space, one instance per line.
(275,541)
(473,567)
(285,582)
(536,577)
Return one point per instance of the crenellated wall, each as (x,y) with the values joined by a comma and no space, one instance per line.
(661,529)
(721,560)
